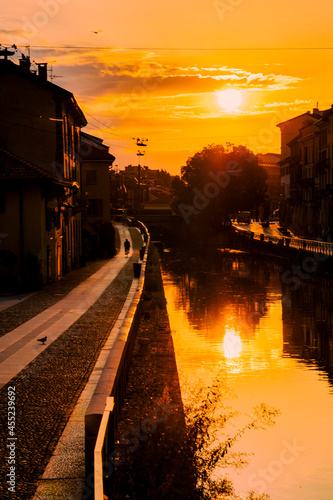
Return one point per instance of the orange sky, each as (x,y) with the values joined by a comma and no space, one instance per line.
(132,86)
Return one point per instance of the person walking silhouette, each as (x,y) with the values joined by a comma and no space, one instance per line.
(127,246)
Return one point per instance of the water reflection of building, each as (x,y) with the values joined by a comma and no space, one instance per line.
(307,322)
(221,290)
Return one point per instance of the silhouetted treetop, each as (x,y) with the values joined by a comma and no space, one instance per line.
(217,182)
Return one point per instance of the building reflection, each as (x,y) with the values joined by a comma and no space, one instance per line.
(229,291)
(234,321)
(222,291)
(307,322)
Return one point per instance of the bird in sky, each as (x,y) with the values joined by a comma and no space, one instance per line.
(96,32)
(43,340)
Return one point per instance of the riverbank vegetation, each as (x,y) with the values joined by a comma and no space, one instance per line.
(208,437)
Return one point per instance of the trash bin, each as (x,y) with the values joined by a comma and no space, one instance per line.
(137,269)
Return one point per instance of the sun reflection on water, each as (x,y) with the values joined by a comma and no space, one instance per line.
(243,327)
(232,343)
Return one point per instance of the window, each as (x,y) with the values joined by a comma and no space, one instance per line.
(95,208)
(308,155)
(91,177)
(323,137)
(316,153)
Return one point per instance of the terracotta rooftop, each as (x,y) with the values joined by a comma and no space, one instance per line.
(13,167)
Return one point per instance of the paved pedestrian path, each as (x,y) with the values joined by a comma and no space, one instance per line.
(64,476)
(20,346)
(54,375)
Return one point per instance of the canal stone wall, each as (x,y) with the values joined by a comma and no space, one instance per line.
(152,413)
(151,461)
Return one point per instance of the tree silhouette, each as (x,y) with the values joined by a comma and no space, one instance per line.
(217,182)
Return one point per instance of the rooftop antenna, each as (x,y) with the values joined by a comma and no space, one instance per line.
(52,75)
(6,53)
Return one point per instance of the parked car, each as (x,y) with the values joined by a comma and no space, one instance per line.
(244,217)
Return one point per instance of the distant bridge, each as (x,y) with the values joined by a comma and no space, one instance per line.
(163,224)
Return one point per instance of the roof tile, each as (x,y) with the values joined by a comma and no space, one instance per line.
(13,167)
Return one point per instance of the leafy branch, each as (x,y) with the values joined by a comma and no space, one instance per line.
(207,415)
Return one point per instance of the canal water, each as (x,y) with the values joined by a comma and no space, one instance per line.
(233,317)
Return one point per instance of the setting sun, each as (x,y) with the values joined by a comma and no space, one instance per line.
(229,99)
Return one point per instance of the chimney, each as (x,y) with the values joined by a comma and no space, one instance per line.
(5,53)
(25,62)
(42,70)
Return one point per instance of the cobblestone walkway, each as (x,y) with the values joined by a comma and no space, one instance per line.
(37,302)
(48,388)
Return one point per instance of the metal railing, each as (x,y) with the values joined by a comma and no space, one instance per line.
(101,451)
(305,245)
(313,246)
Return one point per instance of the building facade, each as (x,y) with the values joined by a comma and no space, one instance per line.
(306,174)
(96,164)
(40,124)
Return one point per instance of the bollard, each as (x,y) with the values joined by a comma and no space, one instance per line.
(137,269)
